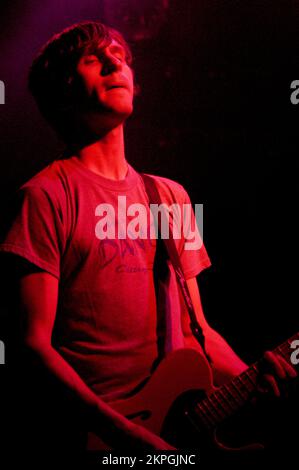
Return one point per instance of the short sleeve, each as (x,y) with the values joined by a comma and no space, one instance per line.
(193,255)
(37,231)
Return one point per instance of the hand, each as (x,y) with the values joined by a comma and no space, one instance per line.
(277,368)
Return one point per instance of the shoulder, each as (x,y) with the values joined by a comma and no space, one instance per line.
(169,186)
(170,190)
(49,182)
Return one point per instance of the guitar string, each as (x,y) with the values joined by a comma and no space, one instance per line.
(219,404)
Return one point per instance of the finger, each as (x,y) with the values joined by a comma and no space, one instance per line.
(272,359)
(273,384)
(289,369)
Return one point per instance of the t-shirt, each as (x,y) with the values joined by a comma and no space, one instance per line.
(81,228)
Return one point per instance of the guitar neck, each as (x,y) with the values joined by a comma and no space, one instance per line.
(233,396)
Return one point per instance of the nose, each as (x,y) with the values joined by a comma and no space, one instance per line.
(110,63)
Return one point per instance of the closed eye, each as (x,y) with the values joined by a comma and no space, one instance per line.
(119,56)
(118,52)
(91,59)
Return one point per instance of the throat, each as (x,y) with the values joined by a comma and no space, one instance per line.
(106,157)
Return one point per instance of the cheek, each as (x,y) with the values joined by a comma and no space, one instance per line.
(129,74)
(87,81)
(132,81)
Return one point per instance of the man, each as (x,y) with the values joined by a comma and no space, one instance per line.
(89,303)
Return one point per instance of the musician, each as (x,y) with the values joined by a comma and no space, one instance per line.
(89,304)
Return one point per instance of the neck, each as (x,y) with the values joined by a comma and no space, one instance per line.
(106,156)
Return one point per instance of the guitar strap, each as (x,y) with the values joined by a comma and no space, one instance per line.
(154,198)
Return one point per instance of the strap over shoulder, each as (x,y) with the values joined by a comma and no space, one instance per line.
(154,198)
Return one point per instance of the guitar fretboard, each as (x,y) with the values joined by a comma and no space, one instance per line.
(229,398)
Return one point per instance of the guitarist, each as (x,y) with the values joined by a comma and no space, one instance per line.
(88,304)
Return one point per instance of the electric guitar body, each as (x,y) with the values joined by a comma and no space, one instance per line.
(173,404)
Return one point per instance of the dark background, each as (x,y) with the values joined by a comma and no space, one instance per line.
(214,113)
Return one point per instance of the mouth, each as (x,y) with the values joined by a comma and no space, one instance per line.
(116,86)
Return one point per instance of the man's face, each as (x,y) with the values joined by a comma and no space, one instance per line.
(108,80)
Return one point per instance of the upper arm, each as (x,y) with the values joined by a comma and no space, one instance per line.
(38,295)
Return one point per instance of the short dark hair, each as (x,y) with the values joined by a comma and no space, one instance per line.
(51,75)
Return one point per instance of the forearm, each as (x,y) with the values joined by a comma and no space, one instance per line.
(38,305)
(100,417)
(225,362)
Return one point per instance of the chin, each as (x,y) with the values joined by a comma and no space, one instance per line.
(121,113)
(121,108)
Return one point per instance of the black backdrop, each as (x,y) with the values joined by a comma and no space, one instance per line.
(214,113)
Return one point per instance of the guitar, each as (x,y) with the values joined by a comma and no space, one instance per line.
(180,403)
